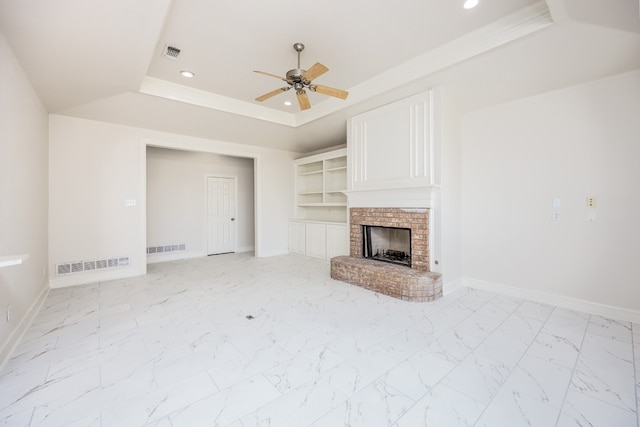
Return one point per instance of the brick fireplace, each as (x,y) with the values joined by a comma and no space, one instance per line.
(414,283)
(416,220)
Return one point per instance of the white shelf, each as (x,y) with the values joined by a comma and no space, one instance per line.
(320,205)
(9,260)
(310,173)
(308,221)
(342,168)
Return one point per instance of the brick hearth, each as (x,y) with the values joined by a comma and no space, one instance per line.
(389,279)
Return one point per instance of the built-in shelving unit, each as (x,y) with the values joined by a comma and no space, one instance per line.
(320,184)
(319,228)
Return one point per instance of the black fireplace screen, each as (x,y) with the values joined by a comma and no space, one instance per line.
(387,244)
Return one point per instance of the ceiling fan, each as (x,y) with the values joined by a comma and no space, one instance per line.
(300,80)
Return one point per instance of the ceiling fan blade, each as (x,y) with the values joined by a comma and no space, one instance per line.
(271,75)
(325,90)
(272,93)
(315,71)
(303,100)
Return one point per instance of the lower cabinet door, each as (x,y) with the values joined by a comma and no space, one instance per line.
(337,241)
(316,240)
(297,238)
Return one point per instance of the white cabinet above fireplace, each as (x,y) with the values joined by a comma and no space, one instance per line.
(392,154)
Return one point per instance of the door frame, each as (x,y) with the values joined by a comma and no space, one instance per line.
(205,234)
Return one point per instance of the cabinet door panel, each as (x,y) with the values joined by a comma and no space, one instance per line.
(337,241)
(316,240)
(297,238)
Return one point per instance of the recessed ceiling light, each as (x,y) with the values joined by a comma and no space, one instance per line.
(187,74)
(287,103)
(470,4)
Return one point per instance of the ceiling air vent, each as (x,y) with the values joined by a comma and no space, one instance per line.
(171,52)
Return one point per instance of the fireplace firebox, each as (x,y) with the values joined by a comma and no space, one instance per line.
(388,244)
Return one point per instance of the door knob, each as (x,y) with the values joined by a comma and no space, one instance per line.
(233,219)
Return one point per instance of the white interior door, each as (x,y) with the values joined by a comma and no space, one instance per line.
(221,215)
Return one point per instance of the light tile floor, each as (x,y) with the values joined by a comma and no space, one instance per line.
(176,348)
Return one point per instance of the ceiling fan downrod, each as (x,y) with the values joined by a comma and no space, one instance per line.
(299,47)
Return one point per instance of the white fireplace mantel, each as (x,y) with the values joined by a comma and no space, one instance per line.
(406,197)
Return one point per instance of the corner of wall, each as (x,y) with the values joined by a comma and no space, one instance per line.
(11,342)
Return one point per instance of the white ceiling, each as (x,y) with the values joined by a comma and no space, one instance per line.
(103,60)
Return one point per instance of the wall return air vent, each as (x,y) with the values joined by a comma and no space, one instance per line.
(151,250)
(97,264)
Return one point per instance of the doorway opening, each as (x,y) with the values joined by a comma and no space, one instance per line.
(190,194)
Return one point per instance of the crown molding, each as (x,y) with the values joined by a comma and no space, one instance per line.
(189,95)
(525,21)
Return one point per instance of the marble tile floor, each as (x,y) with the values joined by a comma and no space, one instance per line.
(234,340)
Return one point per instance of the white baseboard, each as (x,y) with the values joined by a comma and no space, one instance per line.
(604,310)
(173,256)
(451,287)
(267,254)
(9,345)
(93,277)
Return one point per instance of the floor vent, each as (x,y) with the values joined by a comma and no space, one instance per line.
(153,250)
(96,264)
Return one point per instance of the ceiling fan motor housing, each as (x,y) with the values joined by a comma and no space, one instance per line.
(295,79)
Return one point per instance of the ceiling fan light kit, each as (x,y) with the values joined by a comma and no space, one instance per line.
(300,80)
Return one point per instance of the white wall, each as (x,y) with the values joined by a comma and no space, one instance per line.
(93,168)
(96,166)
(23,206)
(568,144)
(448,213)
(176,199)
